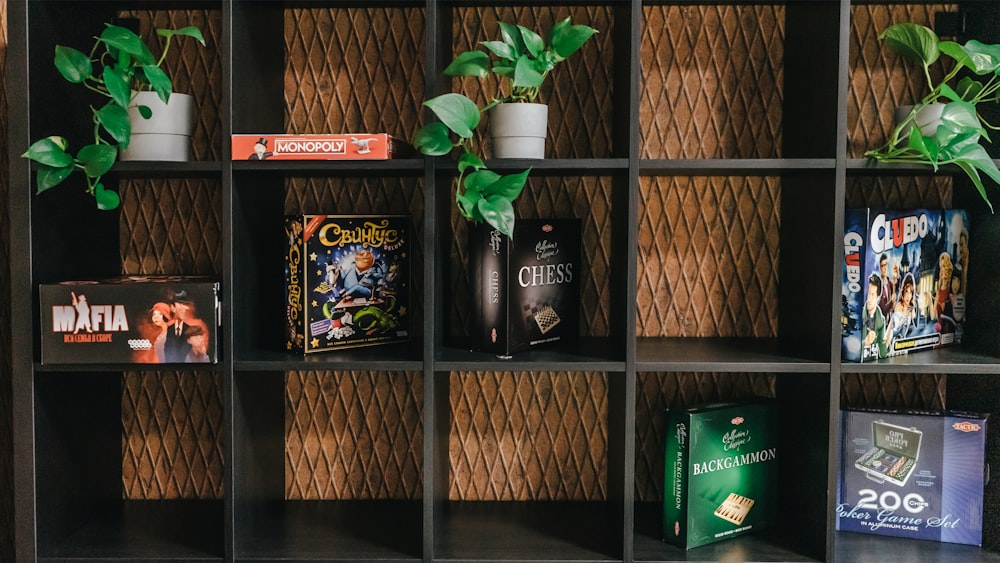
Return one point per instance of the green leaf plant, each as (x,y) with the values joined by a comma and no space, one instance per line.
(520,61)
(956,140)
(118,64)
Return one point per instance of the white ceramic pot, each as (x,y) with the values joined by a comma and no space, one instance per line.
(166,135)
(518,130)
(928,118)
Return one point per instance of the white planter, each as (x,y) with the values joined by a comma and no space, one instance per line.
(928,118)
(518,130)
(166,135)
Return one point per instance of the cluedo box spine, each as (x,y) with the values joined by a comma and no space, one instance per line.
(346,281)
(526,289)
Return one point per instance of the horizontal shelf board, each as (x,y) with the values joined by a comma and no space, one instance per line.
(521,530)
(589,354)
(867,166)
(386,357)
(870,548)
(721,354)
(147,530)
(650,547)
(398,166)
(548,166)
(338,530)
(88,368)
(952,360)
(732,166)
(160,169)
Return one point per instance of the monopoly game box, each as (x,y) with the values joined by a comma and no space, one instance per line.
(354,146)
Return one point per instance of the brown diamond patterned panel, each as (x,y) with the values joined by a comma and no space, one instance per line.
(708,256)
(879,79)
(172,440)
(519,436)
(578,91)
(712,81)
(354,70)
(657,392)
(895,390)
(899,192)
(353,435)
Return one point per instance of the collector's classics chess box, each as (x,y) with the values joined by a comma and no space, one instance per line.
(130,320)
(720,472)
(904,281)
(346,281)
(526,290)
(915,475)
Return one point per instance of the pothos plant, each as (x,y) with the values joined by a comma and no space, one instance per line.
(957,139)
(118,65)
(520,61)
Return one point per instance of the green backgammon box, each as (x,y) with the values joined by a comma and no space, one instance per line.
(720,471)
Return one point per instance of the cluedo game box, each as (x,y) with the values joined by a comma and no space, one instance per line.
(130,320)
(912,475)
(526,290)
(346,281)
(904,281)
(721,469)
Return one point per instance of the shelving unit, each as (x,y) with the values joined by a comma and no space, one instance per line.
(709,148)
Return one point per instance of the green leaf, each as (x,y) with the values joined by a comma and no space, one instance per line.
(959,117)
(115,121)
(467,201)
(189,31)
(499,213)
(525,75)
(503,70)
(957,52)
(508,187)
(144,111)
(532,41)
(469,63)
(159,81)
(983,58)
(433,139)
(118,86)
(500,49)
(97,159)
(49,176)
(912,41)
(968,88)
(480,180)
(512,36)
(126,41)
(73,65)
(567,38)
(973,175)
(469,160)
(106,199)
(457,112)
(50,151)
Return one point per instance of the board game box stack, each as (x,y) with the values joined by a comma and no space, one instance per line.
(354,146)
(904,281)
(346,281)
(915,475)
(526,291)
(131,320)
(720,472)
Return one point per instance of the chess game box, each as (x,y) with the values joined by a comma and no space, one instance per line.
(903,281)
(346,281)
(720,472)
(916,475)
(356,146)
(526,290)
(130,320)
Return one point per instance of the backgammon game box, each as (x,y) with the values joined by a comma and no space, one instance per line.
(904,281)
(131,320)
(915,475)
(720,471)
(346,281)
(526,290)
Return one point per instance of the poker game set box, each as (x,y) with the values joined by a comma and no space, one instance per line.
(916,475)
(720,471)
(130,320)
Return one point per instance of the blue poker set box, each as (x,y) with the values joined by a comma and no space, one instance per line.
(916,475)
(346,281)
(904,281)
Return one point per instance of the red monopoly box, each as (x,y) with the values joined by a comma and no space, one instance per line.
(353,146)
(130,320)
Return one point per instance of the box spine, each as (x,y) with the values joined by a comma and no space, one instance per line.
(855,286)
(675,464)
(490,256)
(294,306)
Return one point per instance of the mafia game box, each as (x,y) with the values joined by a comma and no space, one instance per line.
(904,281)
(357,146)
(912,474)
(346,281)
(130,320)
(720,472)
(526,290)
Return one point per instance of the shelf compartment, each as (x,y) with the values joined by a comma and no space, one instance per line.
(600,354)
(392,357)
(865,548)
